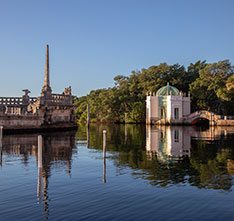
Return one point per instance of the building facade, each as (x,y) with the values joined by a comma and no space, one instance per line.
(167,106)
(47,110)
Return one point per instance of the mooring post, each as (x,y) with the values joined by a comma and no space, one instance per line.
(125,118)
(104,156)
(104,170)
(125,133)
(104,143)
(88,114)
(87,135)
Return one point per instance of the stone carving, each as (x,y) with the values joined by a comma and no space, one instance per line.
(67,91)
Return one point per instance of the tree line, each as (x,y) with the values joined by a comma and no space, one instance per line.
(211,86)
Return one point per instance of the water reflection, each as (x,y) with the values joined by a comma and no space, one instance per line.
(163,156)
(51,150)
(202,158)
(170,143)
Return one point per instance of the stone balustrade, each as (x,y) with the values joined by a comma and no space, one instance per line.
(14,101)
(61,99)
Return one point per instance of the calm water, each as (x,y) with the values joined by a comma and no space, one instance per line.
(166,173)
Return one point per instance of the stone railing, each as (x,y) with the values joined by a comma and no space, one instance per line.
(15,101)
(61,99)
(11,101)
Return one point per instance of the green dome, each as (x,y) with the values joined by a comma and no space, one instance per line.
(167,90)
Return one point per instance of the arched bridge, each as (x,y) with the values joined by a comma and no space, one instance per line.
(199,115)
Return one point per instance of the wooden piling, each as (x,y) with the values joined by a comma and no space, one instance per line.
(87,136)
(104,156)
(104,143)
(88,114)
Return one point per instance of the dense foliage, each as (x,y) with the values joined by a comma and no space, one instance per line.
(211,87)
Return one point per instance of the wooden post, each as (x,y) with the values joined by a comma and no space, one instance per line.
(88,114)
(104,143)
(125,133)
(104,156)
(104,170)
(125,118)
(87,135)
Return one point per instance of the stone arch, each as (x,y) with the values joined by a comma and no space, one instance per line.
(200,119)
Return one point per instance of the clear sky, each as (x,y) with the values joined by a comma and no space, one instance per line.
(92,41)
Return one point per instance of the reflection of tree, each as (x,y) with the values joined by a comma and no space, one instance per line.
(211,162)
(209,166)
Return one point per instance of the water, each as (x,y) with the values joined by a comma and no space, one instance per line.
(166,173)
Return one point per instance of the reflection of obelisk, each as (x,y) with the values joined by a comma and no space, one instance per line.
(1,146)
(42,174)
(39,167)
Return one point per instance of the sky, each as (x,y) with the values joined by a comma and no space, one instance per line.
(92,41)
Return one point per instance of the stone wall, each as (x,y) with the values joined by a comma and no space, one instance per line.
(20,121)
(225,123)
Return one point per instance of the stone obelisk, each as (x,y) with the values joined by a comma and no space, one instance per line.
(46,90)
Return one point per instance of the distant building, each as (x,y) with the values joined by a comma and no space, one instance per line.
(47,110)
(167,106)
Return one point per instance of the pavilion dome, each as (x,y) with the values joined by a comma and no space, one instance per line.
(168,90)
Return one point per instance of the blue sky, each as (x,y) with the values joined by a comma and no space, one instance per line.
(92,41)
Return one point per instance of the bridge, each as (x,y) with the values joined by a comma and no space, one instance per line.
(213,118)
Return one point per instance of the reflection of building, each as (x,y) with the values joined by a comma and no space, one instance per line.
(51,150)
(170,143)
(0,146)
(168,106)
